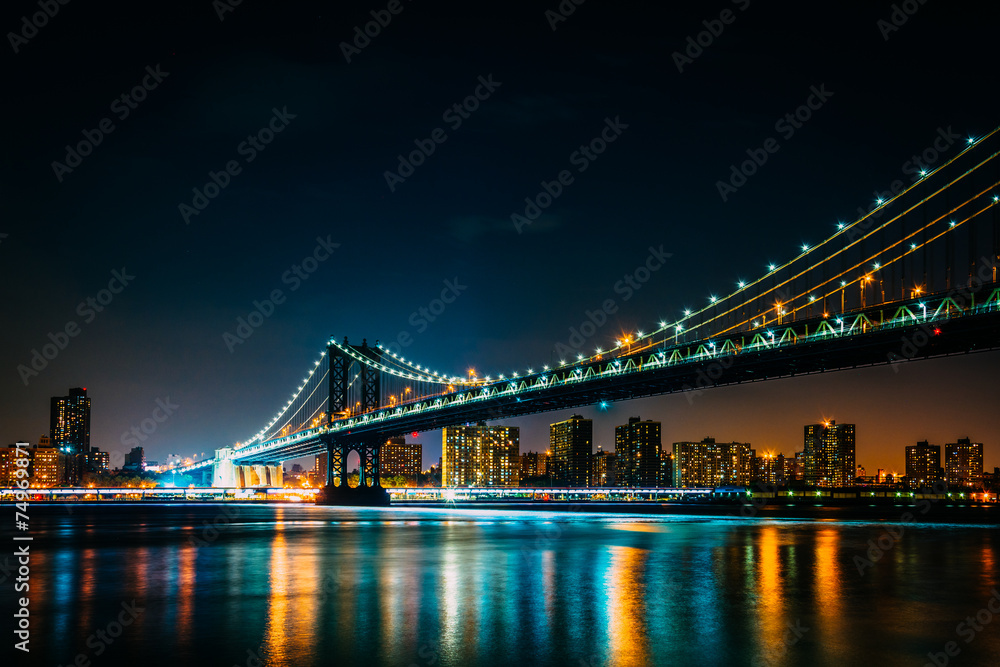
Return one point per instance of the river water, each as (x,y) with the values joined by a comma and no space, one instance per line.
(188,584)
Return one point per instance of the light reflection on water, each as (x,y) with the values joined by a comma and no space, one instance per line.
(301,585)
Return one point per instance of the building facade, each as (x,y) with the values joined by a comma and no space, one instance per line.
(637,451)
(603,471)
(69,422)
(712,464)
(829,454)
(480,455)
(571,443)
(923,464)
(402,459)
(534,464)
(769,468)
(963,463)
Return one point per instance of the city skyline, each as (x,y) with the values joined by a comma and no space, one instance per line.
(184,330)
(606,421)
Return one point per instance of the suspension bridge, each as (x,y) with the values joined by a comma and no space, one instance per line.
(914,278)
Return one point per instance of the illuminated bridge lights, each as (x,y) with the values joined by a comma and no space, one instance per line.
(306,442)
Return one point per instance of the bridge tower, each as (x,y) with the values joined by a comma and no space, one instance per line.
(369,490)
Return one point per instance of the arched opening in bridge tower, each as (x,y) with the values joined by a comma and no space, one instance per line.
(353,466)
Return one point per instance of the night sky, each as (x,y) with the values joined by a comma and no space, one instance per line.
(345,114)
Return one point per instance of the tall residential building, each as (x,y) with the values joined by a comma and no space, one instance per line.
(480,455)
(637,449)
(571,443)
(402,459)
(8,464)
(829,454)
(963,463)
(47,465)
(534,464)
(69,422)
(666,468)
(923,463)
(712,464)
(769,468)
(135,460)
(319,469)
(602,469)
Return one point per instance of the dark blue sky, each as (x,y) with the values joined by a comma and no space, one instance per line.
(323,176)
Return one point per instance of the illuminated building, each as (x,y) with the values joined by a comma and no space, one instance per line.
(603,470)
(402,459)
(480,455)
(712,464)
(769,468)
(47,465)
(69,429)
(829,454)
(97,460)
(135,460)
(534,464)
(319,470)
(963,463)
(571,444)
(8,465)
(69,422)
(666,468)
(637,448)
(923,464)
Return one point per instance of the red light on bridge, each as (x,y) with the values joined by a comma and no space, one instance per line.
(937,332)
(414,434)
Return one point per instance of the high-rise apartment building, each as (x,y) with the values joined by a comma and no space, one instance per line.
(637,450)
(135,460)
(829,454)
(534,464)
(402,459)
(923,464)
(571,443)
(963,463)
(712,464)
(769,468)
(603,470)
(480,455)
(69,422)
